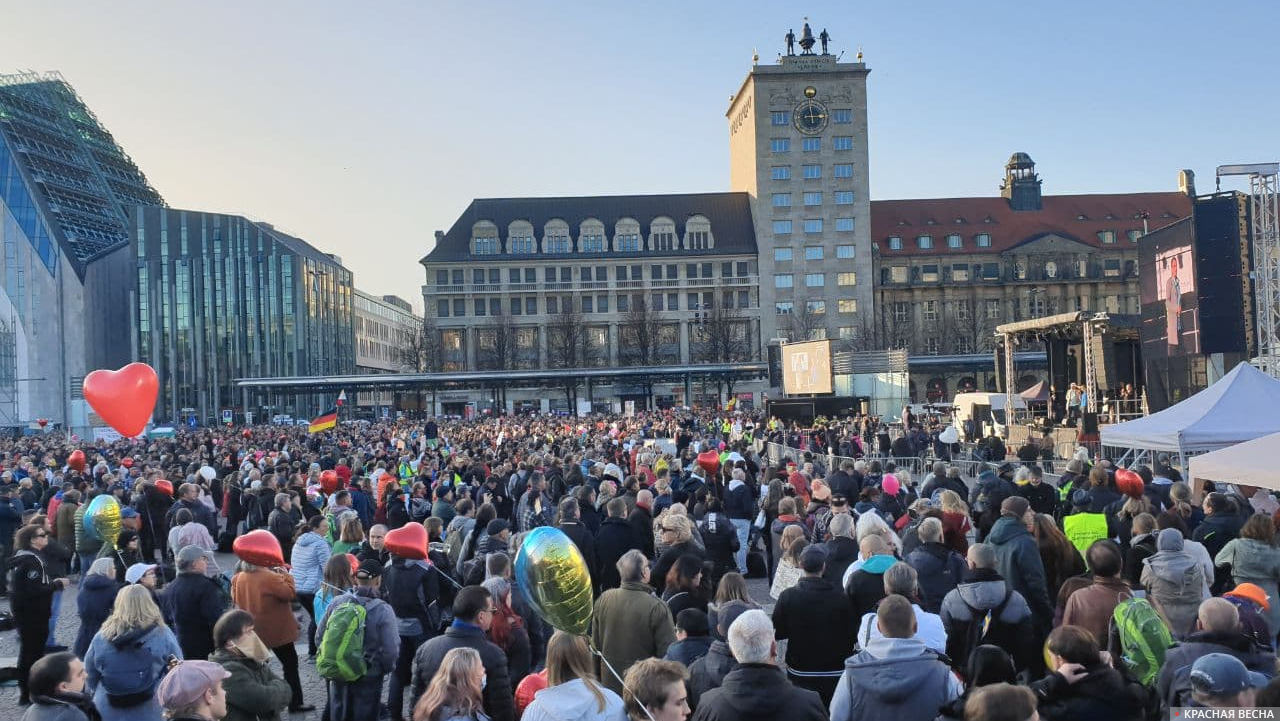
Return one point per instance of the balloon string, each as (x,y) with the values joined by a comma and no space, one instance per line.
(591,644)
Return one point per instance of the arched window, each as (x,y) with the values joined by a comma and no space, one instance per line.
(520,240)
(1050,270)
(937,389)
(626,235)
(484,238)
(697,233)
(555,237)
(591,236)
(662,234)
(967,385)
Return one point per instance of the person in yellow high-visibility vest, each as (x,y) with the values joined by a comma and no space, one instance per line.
(1083,527)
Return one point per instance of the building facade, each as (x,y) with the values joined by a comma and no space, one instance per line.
(388,340)
(799,148)
(593,281)
(66,189)
(218,297)
(948,271)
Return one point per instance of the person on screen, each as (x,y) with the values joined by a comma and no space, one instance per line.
(1173,303)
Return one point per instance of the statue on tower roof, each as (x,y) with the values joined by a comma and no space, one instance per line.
(824,38)
(806,39)
(791,42)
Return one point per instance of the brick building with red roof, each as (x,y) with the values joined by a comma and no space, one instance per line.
(949,270)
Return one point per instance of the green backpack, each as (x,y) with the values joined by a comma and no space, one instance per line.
(341,654)
(1143,638)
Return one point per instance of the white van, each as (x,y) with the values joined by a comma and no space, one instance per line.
(987,411)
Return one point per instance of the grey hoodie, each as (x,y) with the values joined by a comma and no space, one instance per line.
(1175,581)
(894,678)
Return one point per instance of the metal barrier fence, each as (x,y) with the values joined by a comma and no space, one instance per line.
(920,466)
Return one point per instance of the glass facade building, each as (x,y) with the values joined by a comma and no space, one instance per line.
(220,297)
(66,190)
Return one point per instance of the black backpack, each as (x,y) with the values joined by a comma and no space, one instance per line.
(985,627)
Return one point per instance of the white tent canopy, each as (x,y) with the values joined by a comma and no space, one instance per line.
(1240,407)
(1252,463)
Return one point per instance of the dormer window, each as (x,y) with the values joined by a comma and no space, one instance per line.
(924,242)
(895,242)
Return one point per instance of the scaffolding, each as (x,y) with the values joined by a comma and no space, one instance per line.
(1264,213)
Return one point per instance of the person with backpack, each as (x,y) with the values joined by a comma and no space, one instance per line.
(1091,607)
(983,609)
(1254,558)
(359,645)
(416,591)
(1083,685)
(1175,582)
(128,657)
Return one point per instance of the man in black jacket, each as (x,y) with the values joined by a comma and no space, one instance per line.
(578,533)
(641,520)
(472,614)
(841,550)
(757,688)
(816,619)
(189,498)
(616,537)
(416,593)
(1042,496)
(192,604)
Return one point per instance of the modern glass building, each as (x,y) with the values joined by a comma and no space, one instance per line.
(219,297)
(66,189)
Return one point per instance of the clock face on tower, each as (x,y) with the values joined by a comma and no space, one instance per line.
(810,117)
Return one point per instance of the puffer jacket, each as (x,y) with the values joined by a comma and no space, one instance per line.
(1018,563)
(939,570)
(1253,561)
(1175,583)
(756,692)
(574,701)
(310,553)
(254,692)
(65,523)
(983,590)
(894,678)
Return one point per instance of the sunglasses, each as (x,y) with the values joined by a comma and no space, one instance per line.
(41,535)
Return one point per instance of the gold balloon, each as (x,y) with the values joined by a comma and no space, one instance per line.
(553,575)
(102,520)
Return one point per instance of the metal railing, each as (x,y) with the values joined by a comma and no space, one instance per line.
(920,466)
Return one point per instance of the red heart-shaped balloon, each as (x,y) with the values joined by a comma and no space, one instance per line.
(260,548)
(329,482)
(1129,483)
(125,399)
(127,463)
(76,461)
(709,460)
(165,487)
(408,541)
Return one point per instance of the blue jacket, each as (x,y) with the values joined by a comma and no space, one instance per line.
(192,605)
(94,602)
(737,502)
(360,504)
(381,632)
(159,642)
(310,552)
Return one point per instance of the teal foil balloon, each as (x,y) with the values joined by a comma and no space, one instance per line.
(102,519)
(553,575)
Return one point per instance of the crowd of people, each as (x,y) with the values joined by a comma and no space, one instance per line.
(1113,594)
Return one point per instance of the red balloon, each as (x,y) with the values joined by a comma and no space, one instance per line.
(1129,483)
(709,460)
(260,547)
(76,461)
(165,487)
(246,433)
(408,541)
(127,462)
(329,481)
(355,563)
(125,398)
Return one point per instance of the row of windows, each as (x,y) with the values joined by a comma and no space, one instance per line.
(565,274)
(812,225)
(814,252)
(528,305)
(839,116)
(814,280)
(955,241)
(592,236)
(1019,270)
(843,305)
(812,172)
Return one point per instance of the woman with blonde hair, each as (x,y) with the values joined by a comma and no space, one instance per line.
(676,531)
(956,527)
(455,690)
(789,572)
(135,624)
(573,692)
(350,536)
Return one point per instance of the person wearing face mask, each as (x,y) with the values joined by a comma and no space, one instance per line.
(254,691)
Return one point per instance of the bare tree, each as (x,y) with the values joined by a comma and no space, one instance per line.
(803,324)
(569,346)
(639,335)
(722,335)
(496,350)
(973,330)
(420,350)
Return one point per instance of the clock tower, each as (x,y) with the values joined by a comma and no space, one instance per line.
(798,147)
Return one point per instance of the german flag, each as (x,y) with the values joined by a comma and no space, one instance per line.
(324,422)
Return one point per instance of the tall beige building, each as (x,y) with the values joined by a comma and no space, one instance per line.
(798,148)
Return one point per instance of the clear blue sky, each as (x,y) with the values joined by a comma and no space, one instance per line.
(366,126)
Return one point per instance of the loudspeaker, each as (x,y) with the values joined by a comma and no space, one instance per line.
(1089,424)
(774,353)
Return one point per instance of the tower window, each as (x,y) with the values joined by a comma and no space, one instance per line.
(780,117)
(844,225)
(842,116)
(781,172)
(813,198)
(842,142)
(812,145)
(812,172)
(844,197)
(782,227)
(780,145)
(843,170)
(782,200)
